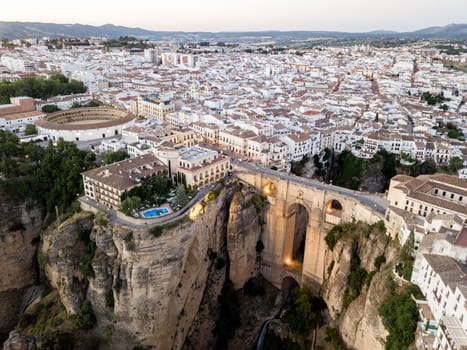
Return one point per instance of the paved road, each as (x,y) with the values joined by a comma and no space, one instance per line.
(157,221)
(375,201)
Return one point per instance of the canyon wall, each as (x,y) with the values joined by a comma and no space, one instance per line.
(19,237)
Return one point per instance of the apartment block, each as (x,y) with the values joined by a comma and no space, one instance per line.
(106,184)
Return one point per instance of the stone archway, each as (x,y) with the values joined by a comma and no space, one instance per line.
(296,230)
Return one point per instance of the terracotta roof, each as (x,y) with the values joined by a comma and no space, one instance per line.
(439,202)
(15,116)
(127,173)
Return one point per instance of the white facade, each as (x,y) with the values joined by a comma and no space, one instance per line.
(443,282)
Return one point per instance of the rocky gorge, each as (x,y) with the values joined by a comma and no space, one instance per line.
(160,288)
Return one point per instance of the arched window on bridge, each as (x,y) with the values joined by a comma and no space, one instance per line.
(334,207)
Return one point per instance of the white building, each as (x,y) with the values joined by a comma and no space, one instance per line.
(443,282)
(298,144)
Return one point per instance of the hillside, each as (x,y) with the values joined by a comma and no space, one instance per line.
(21,30)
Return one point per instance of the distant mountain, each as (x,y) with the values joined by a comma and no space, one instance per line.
(452,31)
(22,30)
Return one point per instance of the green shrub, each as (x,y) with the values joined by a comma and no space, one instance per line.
(86,265)
(108,333)
(333,237)
(56,340)
(109,299)
(399,315)
(41,260)
(26,320)
(258,202)
(129,243)
(156,231)
(356,280)
(305,312)
(379,260)
(379,225)
(101,219)
(85,318)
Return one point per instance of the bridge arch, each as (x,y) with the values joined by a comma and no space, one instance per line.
(296,227)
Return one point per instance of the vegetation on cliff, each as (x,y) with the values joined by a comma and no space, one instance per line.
(50,176)
(400,316)
(305,312)
(351,231)
(405,266)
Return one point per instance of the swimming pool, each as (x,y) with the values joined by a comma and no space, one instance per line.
(155,212)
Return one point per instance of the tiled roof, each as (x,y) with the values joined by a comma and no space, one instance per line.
(126,173)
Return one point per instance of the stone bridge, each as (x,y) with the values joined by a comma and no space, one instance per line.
(299,215)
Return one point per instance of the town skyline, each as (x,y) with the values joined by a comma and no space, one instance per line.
(210,16)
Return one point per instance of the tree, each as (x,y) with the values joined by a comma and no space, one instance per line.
(455,164)
(349,170)
(40,87)
(30,129)
(131,204)
(428,166)
(305,312)
(50,108)
(406,257)
(400,316)
(113,157)
(181,197)
(85,317)
(56,340)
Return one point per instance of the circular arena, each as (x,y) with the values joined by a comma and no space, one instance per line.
(84,124)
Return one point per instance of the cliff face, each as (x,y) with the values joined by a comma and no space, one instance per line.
(243,231)
(359,324)
(19,234)
(156,283)
(63,249)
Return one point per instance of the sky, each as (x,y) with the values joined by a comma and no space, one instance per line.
(244,15)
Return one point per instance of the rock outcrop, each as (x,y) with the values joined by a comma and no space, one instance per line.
(63,251)
(147,288)
(16,341)
(359,324)
(19,236)
(243,231)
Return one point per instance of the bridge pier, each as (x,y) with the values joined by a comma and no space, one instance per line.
(325,207)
